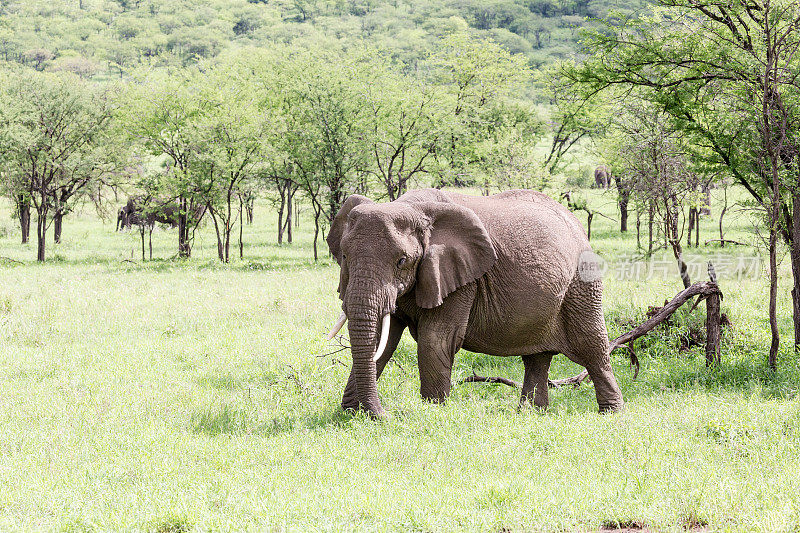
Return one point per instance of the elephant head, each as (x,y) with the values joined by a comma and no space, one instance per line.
(422,245)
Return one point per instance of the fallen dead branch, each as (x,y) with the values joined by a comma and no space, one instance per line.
(706,290)
(726,241)
(8,259)
(475,378)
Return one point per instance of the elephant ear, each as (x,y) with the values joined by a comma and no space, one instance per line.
(458,251)
(340,222)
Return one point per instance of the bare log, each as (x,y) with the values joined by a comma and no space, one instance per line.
(726,241)
(475,378)
(575,381)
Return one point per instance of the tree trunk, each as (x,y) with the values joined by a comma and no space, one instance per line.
(220,254)
(289,217)
(24,209)
(713,330)
(773,294)
(682,267)
(650,216)
(58,219)
(249,206)
(41,233)
(623,217)
(241,228)
(141,235)
(623,198)
(280,216)
(589,218)
(794,255)
(722,214)
(317,213)
(227,244)
(184,246)
(638,229)
(697,229)
(692,221)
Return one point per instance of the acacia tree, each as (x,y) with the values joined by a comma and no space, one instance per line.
(279,179)
(271,78)
(228,132)
(56,141)
(508,158)
(160,114)
(478,75)
(324,129)
(657,167)
(575,118)
(725,74)
(404,114)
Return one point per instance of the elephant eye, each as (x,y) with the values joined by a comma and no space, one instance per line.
(401,262)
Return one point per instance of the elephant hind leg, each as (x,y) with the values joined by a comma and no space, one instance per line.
(534,385)
(606,389)
(595,358)
(587,340)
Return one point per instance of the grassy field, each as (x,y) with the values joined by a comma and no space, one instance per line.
(186,395)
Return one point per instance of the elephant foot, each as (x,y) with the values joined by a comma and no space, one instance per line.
(606,408)
(528,404)
(434,399)
(374,414)
(351,405)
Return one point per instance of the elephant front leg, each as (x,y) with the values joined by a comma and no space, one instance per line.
(440,334)
(534,385)
(396,328)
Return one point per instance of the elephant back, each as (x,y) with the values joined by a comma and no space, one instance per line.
(530,230)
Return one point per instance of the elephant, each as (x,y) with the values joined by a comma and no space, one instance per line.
(122,218)
(511,274)
(602,177)
(147,210)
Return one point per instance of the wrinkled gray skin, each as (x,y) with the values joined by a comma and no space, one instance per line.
(495,275)
(602,177)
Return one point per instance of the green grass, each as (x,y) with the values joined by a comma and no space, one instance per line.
(187,395)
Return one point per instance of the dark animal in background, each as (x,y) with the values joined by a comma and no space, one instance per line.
(145,211)
(602,177)
(510,275)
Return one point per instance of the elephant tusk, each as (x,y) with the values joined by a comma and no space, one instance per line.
(336,327)
(384,336)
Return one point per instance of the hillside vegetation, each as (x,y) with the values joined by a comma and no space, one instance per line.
(91,37)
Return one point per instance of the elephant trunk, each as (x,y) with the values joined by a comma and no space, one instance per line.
(366,311)
(363,334)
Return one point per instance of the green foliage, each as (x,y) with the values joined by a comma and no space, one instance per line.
(119,35)
(56,142)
